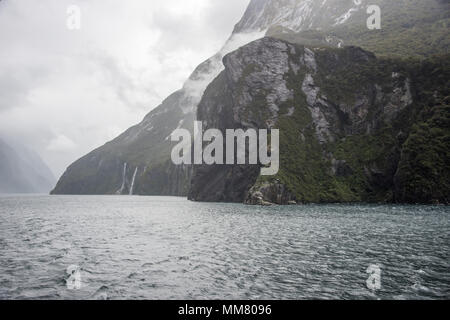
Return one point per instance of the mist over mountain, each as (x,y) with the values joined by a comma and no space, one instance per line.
(413,28)
(138,161)
(23,171)
(142,153)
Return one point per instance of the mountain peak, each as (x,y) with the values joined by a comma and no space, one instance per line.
(296,15)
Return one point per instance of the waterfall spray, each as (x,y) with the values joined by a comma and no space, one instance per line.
(132,181)
(124,176)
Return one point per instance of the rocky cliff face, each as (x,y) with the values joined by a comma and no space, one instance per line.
(145,148)
(138,161)
(408,27)
(344,118)
(299,15)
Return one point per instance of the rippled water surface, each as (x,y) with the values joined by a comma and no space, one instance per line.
(169,248)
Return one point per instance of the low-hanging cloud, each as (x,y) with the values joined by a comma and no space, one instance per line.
(64,92)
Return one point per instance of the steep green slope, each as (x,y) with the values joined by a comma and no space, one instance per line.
(349,125)
(138,161)
(409,28)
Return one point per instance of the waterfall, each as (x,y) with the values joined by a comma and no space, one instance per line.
(132,181)
(124,177)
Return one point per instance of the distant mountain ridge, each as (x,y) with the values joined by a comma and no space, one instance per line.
(23,171)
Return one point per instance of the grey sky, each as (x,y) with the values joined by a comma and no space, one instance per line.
(64,93)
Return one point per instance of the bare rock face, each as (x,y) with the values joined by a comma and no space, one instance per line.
(270,192)
(299,15)
(342,116)
(146,147)
(319,97)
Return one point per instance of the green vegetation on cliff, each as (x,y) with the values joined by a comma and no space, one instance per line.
(381,156)
(409,28)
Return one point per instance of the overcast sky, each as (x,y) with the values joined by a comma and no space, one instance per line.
(65,92)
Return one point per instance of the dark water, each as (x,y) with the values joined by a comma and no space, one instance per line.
(169,248)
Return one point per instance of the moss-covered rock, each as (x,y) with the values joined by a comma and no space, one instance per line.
(352,127)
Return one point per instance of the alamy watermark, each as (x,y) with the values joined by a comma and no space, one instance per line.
(73,282)
(73,17)
(374,21)
(374,281)
(219,150)
(374,12)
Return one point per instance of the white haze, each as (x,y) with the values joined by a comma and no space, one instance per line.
(64,93)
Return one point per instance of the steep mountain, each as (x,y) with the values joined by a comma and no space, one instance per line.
(23,171)
(409,28)
(352,127)
(298,15)
(138,161)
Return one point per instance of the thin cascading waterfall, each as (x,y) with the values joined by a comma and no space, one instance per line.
(124,177)
(133,180)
